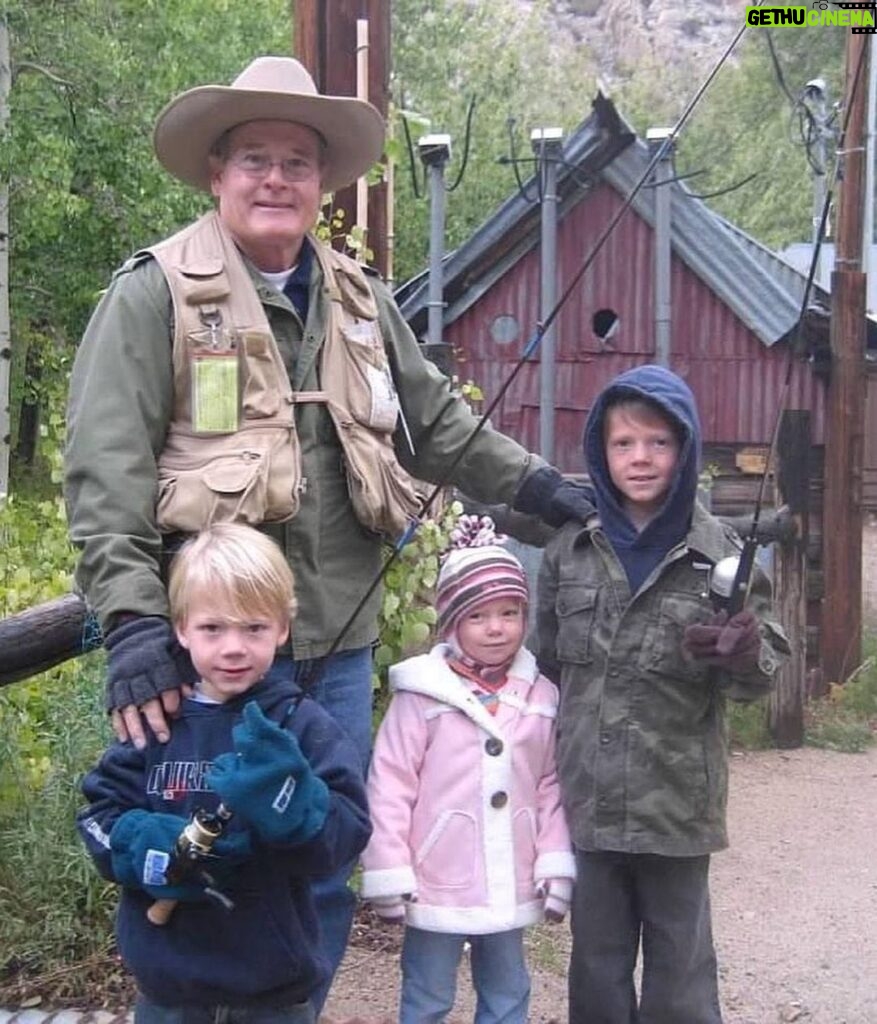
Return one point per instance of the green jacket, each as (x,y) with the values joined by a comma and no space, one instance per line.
(642,736)
(120,404)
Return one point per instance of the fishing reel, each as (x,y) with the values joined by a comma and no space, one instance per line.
(195,843)
(193,847)
(730,579)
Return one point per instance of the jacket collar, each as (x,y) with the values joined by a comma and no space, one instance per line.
(431,676)
(706,537)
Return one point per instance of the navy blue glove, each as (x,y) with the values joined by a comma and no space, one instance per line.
(546,494)
(268,782)
(144,658)
(142,845)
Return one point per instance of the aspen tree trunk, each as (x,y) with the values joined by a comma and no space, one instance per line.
(5,349)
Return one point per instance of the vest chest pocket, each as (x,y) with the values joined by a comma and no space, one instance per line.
(253,481)
(576,608)
(371,393)
(263,376)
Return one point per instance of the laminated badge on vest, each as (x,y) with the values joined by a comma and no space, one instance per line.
(215,376)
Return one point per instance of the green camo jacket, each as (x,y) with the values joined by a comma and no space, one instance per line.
(120,404)
(642,736)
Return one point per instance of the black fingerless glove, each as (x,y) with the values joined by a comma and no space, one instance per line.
(144,658)
(546,494)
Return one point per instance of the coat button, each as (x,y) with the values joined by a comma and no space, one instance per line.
(499,800)
(605,738)
(493,746)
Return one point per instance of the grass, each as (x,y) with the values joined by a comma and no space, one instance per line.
(747,724)
(845,719)
(54,908)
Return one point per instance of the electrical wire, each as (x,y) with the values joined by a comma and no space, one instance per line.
(514,160)
(466,141)
(729,188)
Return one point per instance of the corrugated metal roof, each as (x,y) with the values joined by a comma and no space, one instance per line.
(760,288)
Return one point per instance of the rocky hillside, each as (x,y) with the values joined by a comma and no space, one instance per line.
(624,33)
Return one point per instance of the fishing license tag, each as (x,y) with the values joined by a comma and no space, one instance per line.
(215,384)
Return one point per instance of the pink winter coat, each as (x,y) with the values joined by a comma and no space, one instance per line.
(466,805)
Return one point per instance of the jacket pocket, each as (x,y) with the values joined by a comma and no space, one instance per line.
(447,857)
(662,650)
(576,608)
(250,478)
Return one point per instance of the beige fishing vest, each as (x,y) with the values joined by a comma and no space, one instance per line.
(253,474)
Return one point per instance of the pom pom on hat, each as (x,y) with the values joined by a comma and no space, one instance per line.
(476,569)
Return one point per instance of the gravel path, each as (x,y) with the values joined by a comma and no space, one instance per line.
(794,905)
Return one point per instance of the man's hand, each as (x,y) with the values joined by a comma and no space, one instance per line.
(732,644)
(146,670)
(546,494)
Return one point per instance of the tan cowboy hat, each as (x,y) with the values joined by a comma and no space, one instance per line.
(271,88)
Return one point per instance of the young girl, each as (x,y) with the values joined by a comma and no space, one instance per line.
(470,841)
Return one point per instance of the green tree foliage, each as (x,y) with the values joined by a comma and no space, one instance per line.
(750,122)
(517,64)
(89,78)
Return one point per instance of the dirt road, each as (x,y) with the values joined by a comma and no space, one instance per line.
(794,905)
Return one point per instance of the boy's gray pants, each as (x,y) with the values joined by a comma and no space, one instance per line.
(622,899)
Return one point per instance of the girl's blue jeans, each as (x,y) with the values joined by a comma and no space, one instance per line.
(429,976)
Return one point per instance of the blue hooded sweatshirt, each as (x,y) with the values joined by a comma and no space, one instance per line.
(641,552)
(264,951)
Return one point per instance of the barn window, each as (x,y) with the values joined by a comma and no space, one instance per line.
(605,323)
(505,329)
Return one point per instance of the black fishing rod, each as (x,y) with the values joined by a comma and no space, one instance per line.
(529,348)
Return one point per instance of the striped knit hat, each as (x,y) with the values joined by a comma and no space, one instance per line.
(476,569)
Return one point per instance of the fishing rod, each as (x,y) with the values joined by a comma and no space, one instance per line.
(731,578)
(530,347)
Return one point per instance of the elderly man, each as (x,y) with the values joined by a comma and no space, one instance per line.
(243,370)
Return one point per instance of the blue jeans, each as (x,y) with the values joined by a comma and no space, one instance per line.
(429,976)
(146,1012)
(343,688)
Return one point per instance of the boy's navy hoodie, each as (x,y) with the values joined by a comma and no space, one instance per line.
(265,950)
(641,552)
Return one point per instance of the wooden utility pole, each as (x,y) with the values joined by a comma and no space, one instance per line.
(325,41)
(786,705)
(841,637)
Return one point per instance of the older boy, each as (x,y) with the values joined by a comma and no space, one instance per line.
(644,666)
(285,770)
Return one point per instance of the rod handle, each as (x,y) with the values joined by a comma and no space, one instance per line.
(160,911)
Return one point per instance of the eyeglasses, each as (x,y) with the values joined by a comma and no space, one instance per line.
(259,165)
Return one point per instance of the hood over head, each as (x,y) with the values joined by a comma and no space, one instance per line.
(641,551)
